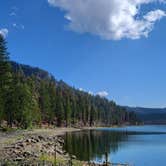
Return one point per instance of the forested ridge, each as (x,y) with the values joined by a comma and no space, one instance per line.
(149,115)
(31,97)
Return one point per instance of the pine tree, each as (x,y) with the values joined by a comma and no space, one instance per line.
(60,111)
(52,94)
(68,113)
(36,112)
(44,100)
(28,106)
(1,107)
(5,81)
(5,69)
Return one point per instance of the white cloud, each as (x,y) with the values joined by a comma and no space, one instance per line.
(4,32)
(110,19)
(90,93)
(154,15)
(103,94)
(81,89)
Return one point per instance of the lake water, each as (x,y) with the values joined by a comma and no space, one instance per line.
(138,146)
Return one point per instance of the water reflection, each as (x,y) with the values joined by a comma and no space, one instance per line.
(91,144)
(118,143)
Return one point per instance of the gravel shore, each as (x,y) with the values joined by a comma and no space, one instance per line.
(33,144)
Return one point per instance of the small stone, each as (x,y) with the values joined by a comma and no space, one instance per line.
(41,137)
(28,140)
(18,159)
(73,157)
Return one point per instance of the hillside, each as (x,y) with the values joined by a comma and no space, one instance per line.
(90,110)
(30,71)
(30,96)
(150,115)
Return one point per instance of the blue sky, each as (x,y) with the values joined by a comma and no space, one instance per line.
(129,66)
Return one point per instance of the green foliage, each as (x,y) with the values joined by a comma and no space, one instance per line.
(1,107)
(45,104)
(68,113)
(30,96)
(5,78)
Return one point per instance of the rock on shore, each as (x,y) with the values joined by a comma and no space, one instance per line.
(33,147)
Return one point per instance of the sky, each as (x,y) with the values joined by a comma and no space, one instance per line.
(113,48)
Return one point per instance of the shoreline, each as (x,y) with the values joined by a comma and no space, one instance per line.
(36,145)
(33,144)
(8,136)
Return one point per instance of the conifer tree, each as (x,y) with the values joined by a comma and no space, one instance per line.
(44,100)
(52,94)
(68,113)
(5,80)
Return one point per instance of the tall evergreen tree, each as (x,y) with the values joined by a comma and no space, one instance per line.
(1,107)
(44,100)
(60,111)
(52,94)
(5,80)
(68,112)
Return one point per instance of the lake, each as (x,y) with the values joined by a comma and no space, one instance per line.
(135,145)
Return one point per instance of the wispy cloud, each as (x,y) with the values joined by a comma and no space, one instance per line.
(110,19)
(81,89)
(18,26)
(103,94)
(14,13)
(90,93)
(100,93)
(4,32)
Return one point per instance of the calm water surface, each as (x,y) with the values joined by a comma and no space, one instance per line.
(138,146)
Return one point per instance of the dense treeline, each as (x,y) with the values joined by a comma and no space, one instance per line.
(30,96)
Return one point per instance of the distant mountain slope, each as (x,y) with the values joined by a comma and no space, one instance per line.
(147,115)
(61,104)
(150,115)
(30,71)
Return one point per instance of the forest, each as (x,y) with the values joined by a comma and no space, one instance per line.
(32,97)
